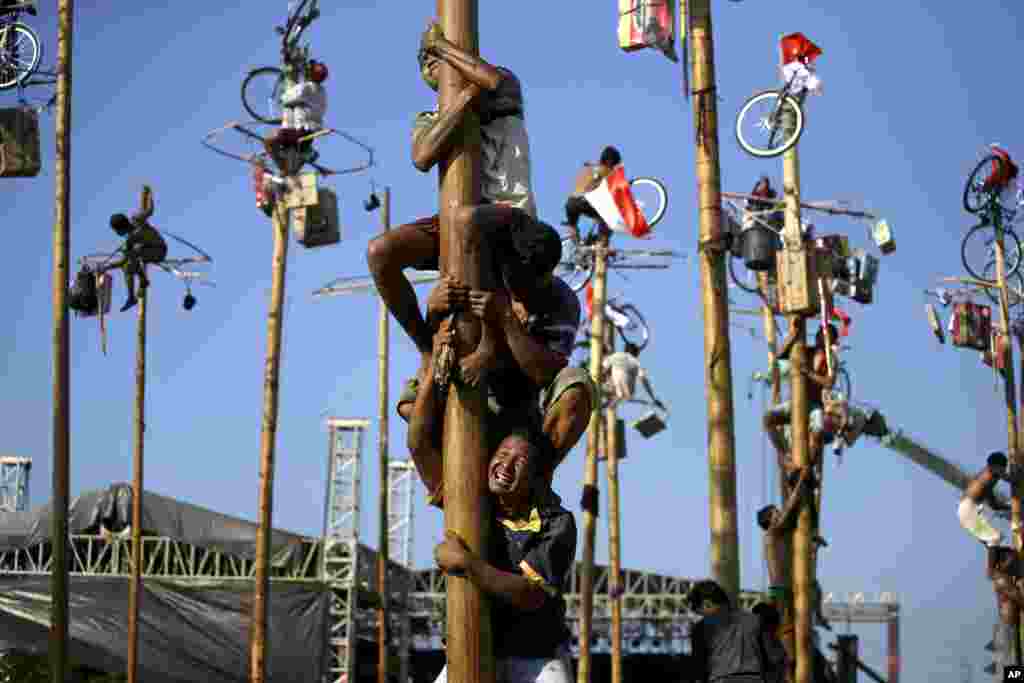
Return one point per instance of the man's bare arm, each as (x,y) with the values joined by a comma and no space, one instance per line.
(513,589)
(536,360)
(431,145)
(1009,590)
(824,381)
(145,204)
(472,68)
(424,435)
(791,337)
(788,516)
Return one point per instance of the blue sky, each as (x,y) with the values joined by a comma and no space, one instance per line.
(898,128)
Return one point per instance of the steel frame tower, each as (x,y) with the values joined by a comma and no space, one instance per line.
(401,477)
(14,479)
(341,541)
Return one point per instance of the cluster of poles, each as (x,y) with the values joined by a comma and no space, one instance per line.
(469,637)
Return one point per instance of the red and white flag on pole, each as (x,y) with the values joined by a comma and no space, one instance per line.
(614,202)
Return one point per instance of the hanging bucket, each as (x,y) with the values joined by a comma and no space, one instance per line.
(759,247)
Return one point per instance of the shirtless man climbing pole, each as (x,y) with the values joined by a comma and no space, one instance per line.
(495,94)
(530,322)
(1004,569)
(979,492)
(143,245)
(822,379)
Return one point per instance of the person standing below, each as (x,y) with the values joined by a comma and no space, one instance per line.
(728,643)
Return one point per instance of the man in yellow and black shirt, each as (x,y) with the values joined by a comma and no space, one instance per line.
(531,551)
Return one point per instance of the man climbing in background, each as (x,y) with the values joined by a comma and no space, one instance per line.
(1005,571)
(143,245)
(822,379)
(495,94)
(590,176)
(531,323)
(532,544)
(303,106)
(980,492)
(623,368)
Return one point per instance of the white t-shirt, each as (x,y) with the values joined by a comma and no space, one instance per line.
(625,368)
(304,106)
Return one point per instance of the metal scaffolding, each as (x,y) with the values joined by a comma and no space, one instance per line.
(341,541)
(401,478)
(14,478)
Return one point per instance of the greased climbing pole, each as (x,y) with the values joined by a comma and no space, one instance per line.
(268,439)
(135,587)
(466,505)
(724,549)
(802,566)
(61,374)
(589,501)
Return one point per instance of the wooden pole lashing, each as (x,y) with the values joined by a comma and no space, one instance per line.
(61,371)
(268,438)
(466,498)
(135,587)
(724,549)
(589,501)
(384,613)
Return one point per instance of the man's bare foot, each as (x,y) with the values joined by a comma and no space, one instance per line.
(475,366)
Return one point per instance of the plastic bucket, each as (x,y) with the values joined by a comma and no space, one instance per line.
(759,247)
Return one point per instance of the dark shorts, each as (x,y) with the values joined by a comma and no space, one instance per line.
(432,226)
(500,419)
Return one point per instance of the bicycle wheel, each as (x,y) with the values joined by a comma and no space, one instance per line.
(651,197)
(976,199)
(843,383)
(635,331)
(576,266)
(261,94)
(978,252)
(19,54)
(763,132)
(1014,287)
(743,278)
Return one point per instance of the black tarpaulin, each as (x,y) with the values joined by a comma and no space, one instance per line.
(161,516)
(188,631)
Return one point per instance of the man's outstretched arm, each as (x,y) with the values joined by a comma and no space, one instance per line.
(432,141)
(424,437)
(788,516)
(471,67)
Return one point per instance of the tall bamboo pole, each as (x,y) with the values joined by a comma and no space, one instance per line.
(802,567)
(724,550)
(612,445)
(135,588)
(61,374)
(268,438)
(466,501)
(589,501)
(1011,404)
(384,613)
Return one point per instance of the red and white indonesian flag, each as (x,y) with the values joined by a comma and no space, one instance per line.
(614,202)
(798,55)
